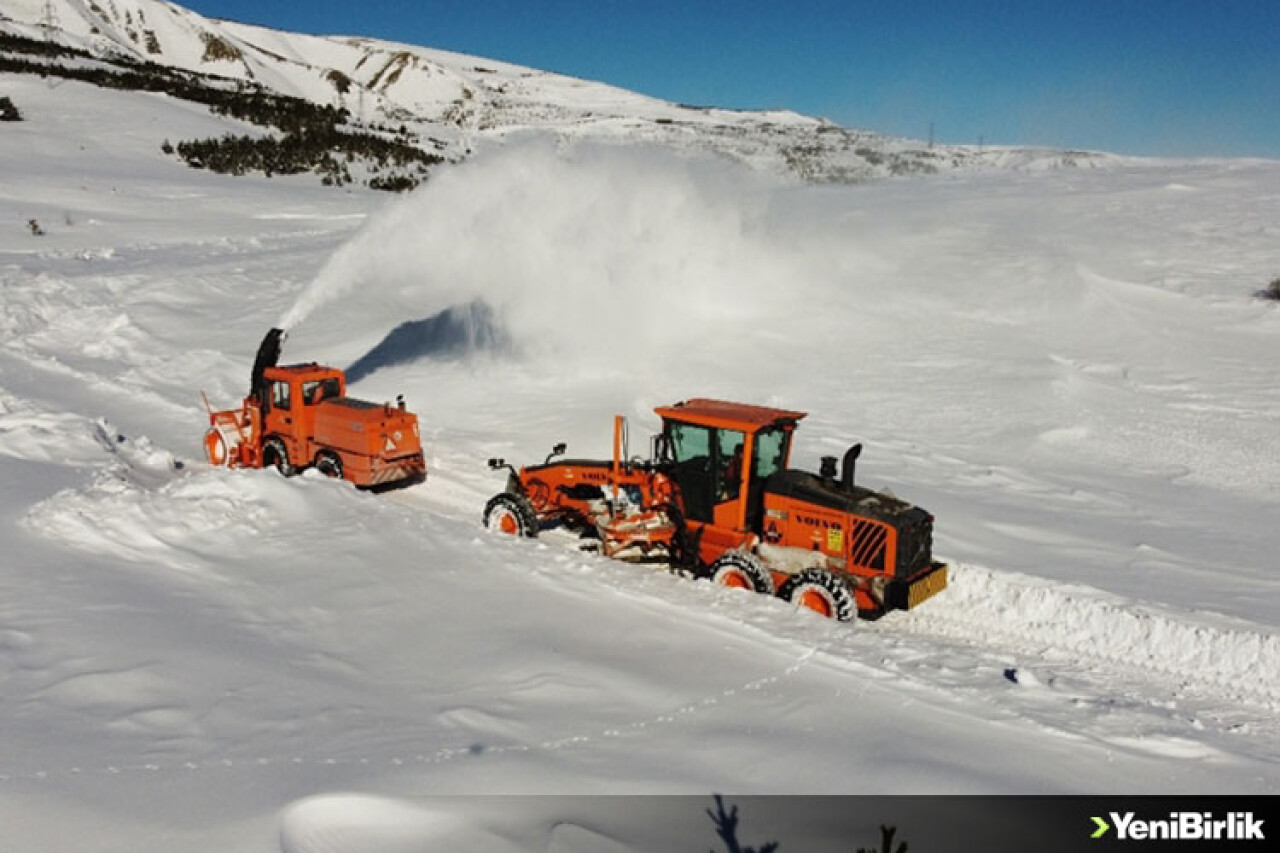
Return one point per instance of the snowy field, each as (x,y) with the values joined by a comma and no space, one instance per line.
(1068,368)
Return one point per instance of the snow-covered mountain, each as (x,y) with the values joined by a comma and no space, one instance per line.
(460,101)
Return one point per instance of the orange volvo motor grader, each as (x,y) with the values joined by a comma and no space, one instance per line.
(299,415)
(717,500)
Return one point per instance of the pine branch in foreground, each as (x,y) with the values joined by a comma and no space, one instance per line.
(726,823)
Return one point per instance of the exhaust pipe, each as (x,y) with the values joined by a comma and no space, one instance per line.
(847,465)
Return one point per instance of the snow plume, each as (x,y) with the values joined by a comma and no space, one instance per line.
(582,251)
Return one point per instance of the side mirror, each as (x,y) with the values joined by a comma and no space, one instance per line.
(495,464)
(558,450)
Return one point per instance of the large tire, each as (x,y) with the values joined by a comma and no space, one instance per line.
(274,453)
(510,514)
(329,464)
(822,592)
(740,570)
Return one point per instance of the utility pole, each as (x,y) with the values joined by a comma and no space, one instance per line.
(49,19)
(930,134)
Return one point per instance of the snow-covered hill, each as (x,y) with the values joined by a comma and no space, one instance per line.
(1067,367)
(461,102)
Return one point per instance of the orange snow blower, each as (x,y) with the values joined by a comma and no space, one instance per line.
(299,415)
(717,501)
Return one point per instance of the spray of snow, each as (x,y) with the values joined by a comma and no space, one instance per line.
(580,251)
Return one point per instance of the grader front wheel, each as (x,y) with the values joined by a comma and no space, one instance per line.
(510,514)
(740,570)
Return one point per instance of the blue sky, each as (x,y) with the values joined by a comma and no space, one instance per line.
(1159,77)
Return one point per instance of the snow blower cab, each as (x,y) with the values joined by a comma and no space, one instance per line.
(717,500)
(298,416)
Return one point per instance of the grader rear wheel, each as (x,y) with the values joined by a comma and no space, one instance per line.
(822,592)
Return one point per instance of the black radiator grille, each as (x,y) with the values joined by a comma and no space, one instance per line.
(867,541)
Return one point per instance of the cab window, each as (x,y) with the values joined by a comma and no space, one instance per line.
(315,391)
(691,446)
(768,456)
(770,453)
(280,395)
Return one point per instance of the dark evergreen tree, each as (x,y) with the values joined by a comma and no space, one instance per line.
(310,137)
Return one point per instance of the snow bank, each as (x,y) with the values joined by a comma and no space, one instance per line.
(28,431)
(1078,623)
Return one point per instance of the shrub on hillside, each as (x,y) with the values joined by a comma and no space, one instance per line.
(219,50)
(340,81)
(393,183)
(10,43)
(326,151)
(310,137)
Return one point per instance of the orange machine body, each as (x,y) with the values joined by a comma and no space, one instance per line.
(718,500)
(306,419)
